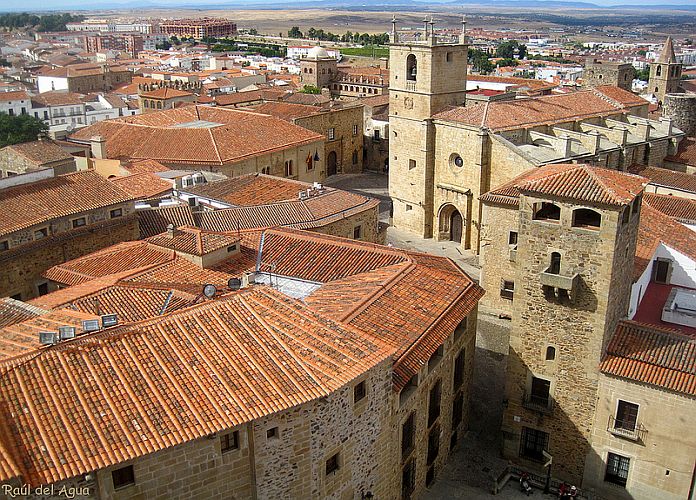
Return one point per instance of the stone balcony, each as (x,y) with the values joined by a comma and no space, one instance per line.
(552,280)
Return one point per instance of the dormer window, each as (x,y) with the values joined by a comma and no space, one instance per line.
(547,211)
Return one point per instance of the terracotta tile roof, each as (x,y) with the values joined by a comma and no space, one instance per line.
(655,228)
(61,196)
(166,93)
(621,96)
(250,96)
(308,99)
(40,152)
(143,186)
(193,240)
(114,259)
(374,101)
(286,111)
(276,214)
(686,154)
(23,337)
(16,95)
(667,178)
(180,274)
(268,367)
(682,209)
(14,311)
(58,98)
(587,183)
(652,355)
(154,221)
(215,137)
(520,113)
(251,189)
(142,166)
(522,83)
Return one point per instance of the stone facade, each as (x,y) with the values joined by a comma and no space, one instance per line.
(425,77)
(664,79)
(661,458)
(12,163)
(596,270)
(681,108)
(28,257)
(365,223)
(102,81)
(608,73)
(343,130)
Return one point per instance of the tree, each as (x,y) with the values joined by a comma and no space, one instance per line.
(295,32)
(22,128)
(510,49)
(165,45)
(175,40)
(310,89)
(479,60)
(643,74)
(253,31)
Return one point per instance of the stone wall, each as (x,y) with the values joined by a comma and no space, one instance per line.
(19,164)
(608,73)
(345,228)
(100,82)
(578,329)
(347,143)
(681,108)
(417,402)
(662,461)
(21,267)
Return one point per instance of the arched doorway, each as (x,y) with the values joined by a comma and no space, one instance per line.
(456,224)
(331,162)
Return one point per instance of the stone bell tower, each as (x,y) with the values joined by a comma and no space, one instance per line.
(427,74)
(665,73)
(578,227)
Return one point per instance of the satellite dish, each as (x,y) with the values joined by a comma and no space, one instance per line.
(209,291)
(234,283)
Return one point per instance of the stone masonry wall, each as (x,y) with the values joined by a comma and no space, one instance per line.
(366,220)
(662,461)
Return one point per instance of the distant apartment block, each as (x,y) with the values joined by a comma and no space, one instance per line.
(199,28)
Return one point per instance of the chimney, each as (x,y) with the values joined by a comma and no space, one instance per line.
(98,147)
(248,278)
(171,231)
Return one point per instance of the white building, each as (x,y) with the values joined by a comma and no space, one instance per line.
(15,103)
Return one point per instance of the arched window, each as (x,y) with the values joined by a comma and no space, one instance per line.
(658,72)
(550,353)
(584,217)
(411,69)
(159,104)
(547,211)
(146,103)
(555,265)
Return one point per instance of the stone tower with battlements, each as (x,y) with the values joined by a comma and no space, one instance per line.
(576,242)
(665,73)
(427,74)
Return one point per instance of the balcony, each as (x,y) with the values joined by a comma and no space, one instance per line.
(633,431)
(538,403)
(411,85)
(569,283)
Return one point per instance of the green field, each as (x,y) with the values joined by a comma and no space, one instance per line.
(367,51)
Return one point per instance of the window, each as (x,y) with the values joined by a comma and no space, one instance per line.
(231,248)
(331,134)
(555,264)
(409,207)
(448,57)
(434,402)
(288,168)
(411,68)
(550,353)
(661,270)
(355,130)
(357,232)
(459,370)
(658,72)
(123,477)
(375,135)
(40,234)
(116,212)
(625,215)
(408,479)
(512,238)
(229,441)
(584,217)
(332,464)
(79,222)
(461,328)
(359,392)
(408,432)
(433,444)
(4,245)
(507,289)
(411,164)
(546,211)
(11,112)
(355,157)
(533,443)
(456,160)
(626,416)
(617,469)
(435,358)
(42,288)
(146,103)
(272,433)
(457,410)
(539,393)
